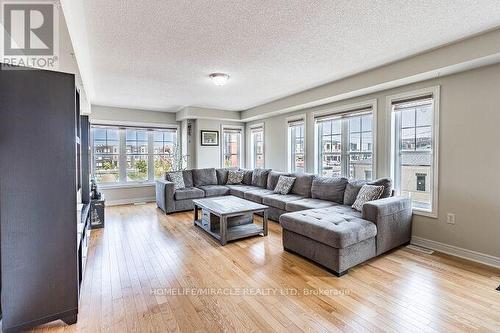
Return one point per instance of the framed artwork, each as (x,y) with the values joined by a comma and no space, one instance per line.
(209,138)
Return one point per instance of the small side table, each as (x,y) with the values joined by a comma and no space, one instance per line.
(97,213)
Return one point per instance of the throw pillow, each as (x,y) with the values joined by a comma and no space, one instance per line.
(177,178)
(284,185)
(235,177)
(367,193)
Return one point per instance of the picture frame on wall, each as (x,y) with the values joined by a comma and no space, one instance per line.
(209,138)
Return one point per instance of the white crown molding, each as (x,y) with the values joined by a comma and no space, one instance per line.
(456,251)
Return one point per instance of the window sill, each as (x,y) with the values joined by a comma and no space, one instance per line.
(125,185)
(425,213)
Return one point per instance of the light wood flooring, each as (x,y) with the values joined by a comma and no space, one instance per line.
(143,257)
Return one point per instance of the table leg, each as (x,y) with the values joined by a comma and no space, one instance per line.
(264,223)
(223,230)
(195,214)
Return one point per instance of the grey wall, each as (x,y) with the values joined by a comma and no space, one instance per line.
(207,156)
(112,115)
(468,156)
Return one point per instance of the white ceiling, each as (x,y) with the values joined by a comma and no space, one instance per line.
(157,55)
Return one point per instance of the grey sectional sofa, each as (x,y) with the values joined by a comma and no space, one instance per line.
(317,219)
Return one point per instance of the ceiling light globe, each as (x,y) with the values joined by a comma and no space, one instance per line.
(219,79)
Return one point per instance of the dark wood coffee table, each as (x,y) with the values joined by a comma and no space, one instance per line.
(228,218)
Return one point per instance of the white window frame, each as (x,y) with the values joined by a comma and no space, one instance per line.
(122,156)
(392,144)
(253,148)
(299,117)
(241,154)
(372,103)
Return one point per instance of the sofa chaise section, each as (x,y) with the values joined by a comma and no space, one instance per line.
(340,237)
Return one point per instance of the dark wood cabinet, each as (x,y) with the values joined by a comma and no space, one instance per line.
(38,223)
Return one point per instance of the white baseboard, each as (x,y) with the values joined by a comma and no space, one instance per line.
(481,258)
(129,201)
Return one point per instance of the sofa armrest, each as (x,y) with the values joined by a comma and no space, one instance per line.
(393,217)
(165,195)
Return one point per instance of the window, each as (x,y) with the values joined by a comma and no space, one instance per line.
(344,144)
(122,155)
(414,160)
(296,145)
(106,151)
(136,154)
(257,146)
(231,147)
(165,150)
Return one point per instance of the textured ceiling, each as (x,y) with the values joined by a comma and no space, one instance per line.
(158,54)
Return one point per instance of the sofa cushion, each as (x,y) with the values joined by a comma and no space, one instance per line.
(273,177)
(222,175)
(177,178)
(257,195)
(280,200)
(284,185)
(329,188)
(307,203)
(334,229)
(235,177)
(347,210)
(239,190)
(188,178)
(259,177)
(204,177)
(303,183)
(247,178)
(366,194)
(214,190)
(188,193)
(354,185)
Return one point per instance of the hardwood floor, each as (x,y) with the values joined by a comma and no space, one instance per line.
(145,268)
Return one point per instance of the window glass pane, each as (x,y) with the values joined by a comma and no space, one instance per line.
(337,126)
(424,115)
(299,163)
(424,138)
(327,127)
(231,148)
(106,168)
(106,147)
(137,167)
(331,165)
(136,141)
(411,169)
(99,134)
(162,164)
(408,139)
(366,123)
(354,142)
(297,147)
(366,141)
(408,118)
(360,166)
(355,124)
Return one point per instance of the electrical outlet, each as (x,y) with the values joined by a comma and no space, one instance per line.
(450,218)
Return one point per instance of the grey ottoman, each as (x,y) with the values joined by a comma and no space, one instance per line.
(335,240)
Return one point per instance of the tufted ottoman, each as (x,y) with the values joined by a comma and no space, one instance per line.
(335,237)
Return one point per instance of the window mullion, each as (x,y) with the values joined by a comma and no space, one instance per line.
(122,157)
(345,147)
(151,158)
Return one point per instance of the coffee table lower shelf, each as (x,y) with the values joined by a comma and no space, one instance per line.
(234,232)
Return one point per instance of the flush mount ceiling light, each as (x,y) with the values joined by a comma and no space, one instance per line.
(219,79)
